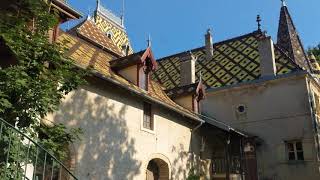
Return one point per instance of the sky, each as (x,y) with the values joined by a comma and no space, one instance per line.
(180,25)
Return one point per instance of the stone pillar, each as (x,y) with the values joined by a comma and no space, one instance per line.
(188,69)
(209,45)
(267,57)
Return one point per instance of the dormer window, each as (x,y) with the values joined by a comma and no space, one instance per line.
(136,67)
(109,34)
(143,78)
(144,72)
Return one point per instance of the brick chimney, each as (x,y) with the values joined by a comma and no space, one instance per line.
(267,57)
(188,69)
(209,45)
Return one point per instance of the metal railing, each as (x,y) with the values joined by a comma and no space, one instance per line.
(23,158)
(220,165)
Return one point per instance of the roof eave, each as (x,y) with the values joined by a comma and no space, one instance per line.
(67,9)
(140,94)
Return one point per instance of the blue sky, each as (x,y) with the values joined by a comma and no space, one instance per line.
(179,25)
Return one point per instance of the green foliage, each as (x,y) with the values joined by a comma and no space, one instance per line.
(59,139)
(39,78)
(315,51)
(193,175)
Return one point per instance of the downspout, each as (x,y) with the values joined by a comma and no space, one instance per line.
(192,133)
(197,127)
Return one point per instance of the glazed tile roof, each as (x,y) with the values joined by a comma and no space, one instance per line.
(289,40)
(119,35)
(87,55)
(234,61)
(88,30)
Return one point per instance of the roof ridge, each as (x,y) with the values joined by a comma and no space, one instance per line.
(214,44)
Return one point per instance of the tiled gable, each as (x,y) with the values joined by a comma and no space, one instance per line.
(90,32)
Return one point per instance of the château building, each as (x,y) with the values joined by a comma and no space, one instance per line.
(245,108)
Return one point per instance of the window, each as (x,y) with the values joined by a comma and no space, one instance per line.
(241,109)
(109,34)
(147,117)
(294,151)
(143,78)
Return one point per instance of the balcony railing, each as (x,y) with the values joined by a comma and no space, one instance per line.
(220,165)
(22,158)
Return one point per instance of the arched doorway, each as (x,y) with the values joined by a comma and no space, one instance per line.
(157,169)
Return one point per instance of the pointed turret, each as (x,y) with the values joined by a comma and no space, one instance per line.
(289,40)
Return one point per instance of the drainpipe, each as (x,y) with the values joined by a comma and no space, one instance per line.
(197,127)
(228,141)
(313,114)
(192,132)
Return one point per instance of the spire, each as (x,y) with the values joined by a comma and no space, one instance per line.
(283,3)
(98,3)
(288,38)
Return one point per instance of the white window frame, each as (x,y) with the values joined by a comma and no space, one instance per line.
(295,151)
(153,130)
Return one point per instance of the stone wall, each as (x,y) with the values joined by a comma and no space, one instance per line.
(276,111)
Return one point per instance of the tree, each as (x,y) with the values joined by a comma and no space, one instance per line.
(315,51)
(36,83)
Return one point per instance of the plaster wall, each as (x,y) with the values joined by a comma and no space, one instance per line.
(276,111)
(114,144)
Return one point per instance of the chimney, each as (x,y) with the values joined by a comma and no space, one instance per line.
(187,69)
(267,57)
(209,45)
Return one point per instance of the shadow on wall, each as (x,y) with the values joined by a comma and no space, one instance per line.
(187,164)
(106,150)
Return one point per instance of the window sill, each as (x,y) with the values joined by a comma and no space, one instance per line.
(148,131)
(293,162)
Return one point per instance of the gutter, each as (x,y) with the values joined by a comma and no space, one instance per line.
(65,7)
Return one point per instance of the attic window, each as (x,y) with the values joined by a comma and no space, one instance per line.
(109,34)
(144,78)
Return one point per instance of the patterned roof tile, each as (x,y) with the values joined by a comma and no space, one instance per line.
(86,55)
(88,30)
(234,61)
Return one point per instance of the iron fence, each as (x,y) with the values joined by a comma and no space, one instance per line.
(220,165)
(23,158)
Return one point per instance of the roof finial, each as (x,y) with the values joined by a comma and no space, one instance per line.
(89,13)
(259,22)
(149,41)
(98,3)
(283,3)
(122,13)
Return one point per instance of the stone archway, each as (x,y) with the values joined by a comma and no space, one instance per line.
(157,169)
